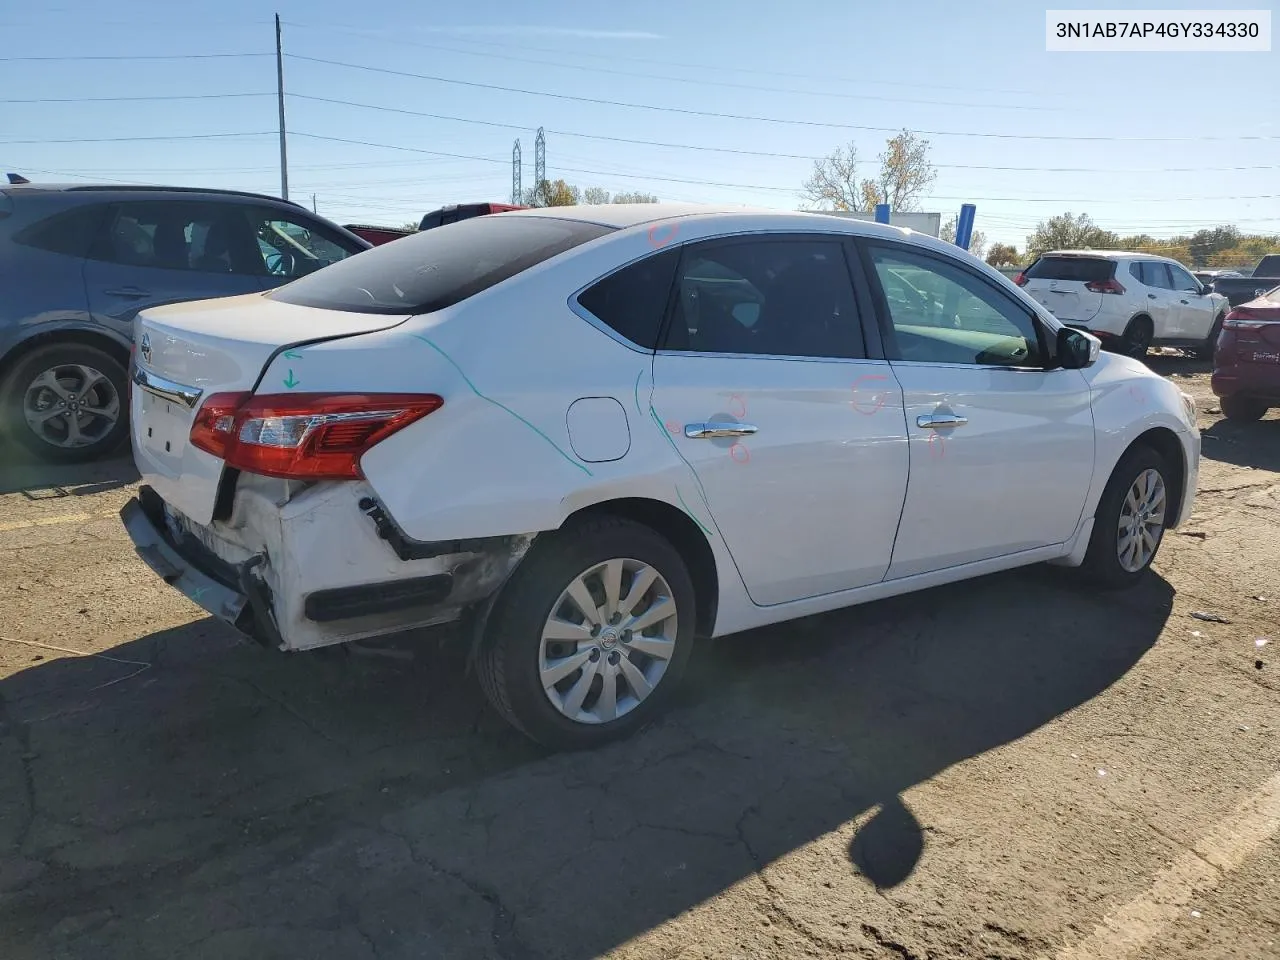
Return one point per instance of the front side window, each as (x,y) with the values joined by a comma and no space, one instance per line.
(434,269)
(790,298)
(941,313)
(293,248)
(1155,275)
(632,301)
(1183,282)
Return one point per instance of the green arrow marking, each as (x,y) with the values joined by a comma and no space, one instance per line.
(289,381)
(199,592)
(292,355)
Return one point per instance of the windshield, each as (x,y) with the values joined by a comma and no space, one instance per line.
(437,268)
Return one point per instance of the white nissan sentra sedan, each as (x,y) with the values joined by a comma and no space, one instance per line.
(595,434)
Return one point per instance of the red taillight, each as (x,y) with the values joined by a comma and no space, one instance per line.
(1020,279)
(1244,317)
(1104,286)
(303,436)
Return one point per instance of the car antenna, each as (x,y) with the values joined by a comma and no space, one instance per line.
(17,178)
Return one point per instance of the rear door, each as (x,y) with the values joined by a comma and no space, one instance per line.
(1001,449)
(1160,304)
(794,437)
(1059,282)
(164,251)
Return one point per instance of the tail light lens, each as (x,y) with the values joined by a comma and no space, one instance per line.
(1242,318)
(303,436)
(1021,278)
(1104,286)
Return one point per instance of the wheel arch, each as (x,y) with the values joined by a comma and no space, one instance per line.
(1165,442)
(87,336)
(678,529)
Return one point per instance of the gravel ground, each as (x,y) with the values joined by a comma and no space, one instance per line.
(1008,768)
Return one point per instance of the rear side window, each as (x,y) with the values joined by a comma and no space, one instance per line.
(1153,274)
(1082,269)
(437,268)
(70,232)
(633,300)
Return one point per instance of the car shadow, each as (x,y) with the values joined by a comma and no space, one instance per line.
(24,473)
(1255,444)
(189,790)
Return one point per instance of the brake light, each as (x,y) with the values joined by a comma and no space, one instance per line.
(1021,278)
(1104,286)
(303,436)
(1242,318)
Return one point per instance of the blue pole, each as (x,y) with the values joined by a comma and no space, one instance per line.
(882,213)
(964,226)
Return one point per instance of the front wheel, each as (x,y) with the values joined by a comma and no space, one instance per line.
(1130,520)
(588,640)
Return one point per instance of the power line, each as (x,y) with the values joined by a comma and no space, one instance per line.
(749,153)
(176,96)
(716,67)
(760,119)
(714,83)
(184,136)
(149,56)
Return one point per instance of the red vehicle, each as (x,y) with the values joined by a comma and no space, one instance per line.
(1246,363)
(463,211)
(377,235)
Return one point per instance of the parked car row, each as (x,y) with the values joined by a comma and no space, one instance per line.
(77,264)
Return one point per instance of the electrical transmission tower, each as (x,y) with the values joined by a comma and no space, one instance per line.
(517,191)
(540,162)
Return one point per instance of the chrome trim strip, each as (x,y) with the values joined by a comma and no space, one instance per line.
(170,390)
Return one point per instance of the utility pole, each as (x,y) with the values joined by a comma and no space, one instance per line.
(540,165)
(517,191)
(313,204)
(284,159)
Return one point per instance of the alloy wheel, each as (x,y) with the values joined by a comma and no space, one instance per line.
(608,641)
(71,405)
(1141,521)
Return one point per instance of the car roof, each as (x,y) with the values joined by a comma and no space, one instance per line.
(128,189)
(624,215)
(1105,254)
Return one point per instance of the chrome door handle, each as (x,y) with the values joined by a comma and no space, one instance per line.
(709,431)
(935,420)
(1151,296)
(1184,301)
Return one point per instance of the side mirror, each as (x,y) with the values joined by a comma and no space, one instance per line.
(1206,289)
(1077,349)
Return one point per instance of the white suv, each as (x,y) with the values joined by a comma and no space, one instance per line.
(1130,301)
(597,433)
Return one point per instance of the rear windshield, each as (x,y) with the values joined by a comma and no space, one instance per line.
(1083,269)
(1268,266)
(438,268)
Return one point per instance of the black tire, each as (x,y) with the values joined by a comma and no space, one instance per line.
(508,661)
(1205,350)
(1102,565)
(63,357)
(1137,337)
(1242,409)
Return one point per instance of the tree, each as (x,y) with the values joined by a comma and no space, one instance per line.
(595,195)
(977,239)
(1069,232)
(1204,245)
(411,227)
(905,174)
(634,197)
(1003,255)
(552,193)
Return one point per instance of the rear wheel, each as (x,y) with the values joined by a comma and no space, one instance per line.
(1137,337)
(1129,523)
(591,636)
(1242,408)
(1205,350)
(66,402)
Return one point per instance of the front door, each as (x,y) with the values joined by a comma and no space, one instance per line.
(1195,310)
(795,441)
(1001,448)
(159,251)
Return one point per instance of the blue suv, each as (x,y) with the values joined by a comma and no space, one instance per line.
(77,264)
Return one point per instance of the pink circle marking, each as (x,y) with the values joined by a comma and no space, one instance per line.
(672,427)
(744,457)
(737,398)
(876,398)
(660,234)
(937,446)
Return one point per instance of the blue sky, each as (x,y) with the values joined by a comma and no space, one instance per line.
(966,71)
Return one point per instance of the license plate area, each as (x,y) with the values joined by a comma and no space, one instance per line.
(164,427)
(1265,356)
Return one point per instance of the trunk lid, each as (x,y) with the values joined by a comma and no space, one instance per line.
(1058,282)
(184,353)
